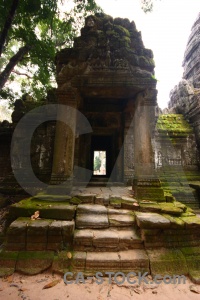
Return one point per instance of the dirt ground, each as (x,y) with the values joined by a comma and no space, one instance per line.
(19,286)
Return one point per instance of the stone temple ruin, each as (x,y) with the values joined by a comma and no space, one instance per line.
(121,182)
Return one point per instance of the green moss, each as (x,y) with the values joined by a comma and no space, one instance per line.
(5,255)
(121,30)
(36,255)
(49,210)
(167,262)
(173,125)
(75,201)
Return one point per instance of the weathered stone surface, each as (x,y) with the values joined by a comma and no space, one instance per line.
(105,238)
(16,234)
(115,202)
(32,263)
(167,262)
(121,220)
(55,228)
(91,216)
(191,222)
(151,220)
(128,238)
(68,230)
(99,200)
(91,209)
(102,261)
(92,221)
(54,198)
(79,261)
(194,276)
(192,256)
(86,198)
(134,260)
(7,262)
(47,210)
(175,221)
(171,208)
(61,262)
(112,211)
(59,190)
(129,203)
(83,237)
(150,206)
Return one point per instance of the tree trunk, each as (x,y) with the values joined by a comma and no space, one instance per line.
(8,24)
(12,63)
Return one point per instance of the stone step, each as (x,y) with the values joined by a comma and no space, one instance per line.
(57,210)
(39,235)
(92,262)
(98,216)
(112,239)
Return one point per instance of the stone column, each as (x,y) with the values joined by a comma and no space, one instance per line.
(63,160)
(145,184)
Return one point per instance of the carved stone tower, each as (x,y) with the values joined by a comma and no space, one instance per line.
(108,77)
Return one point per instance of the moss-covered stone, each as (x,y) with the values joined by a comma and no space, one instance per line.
(149,206)
(171,208)
(173,125)
(175,222)
(61,263)
(121,30)
(167,262)
(75,201)
(47,210)
(115,202)
(34,262)
(191,222)
(7,262)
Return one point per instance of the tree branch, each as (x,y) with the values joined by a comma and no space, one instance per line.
(12,63)
(8,24)
(21,74)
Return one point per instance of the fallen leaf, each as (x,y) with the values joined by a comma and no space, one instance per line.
(138,291)
(36,215)
(194,289)
(69,255)
(22,289)
(51,284)
(9,278)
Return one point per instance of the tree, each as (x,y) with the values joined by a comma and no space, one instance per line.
(32,33)
(97,163)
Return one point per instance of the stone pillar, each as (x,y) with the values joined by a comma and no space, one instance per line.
(145,184)
(63,160)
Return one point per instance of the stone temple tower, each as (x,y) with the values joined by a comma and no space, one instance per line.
(108,77)
(191,61)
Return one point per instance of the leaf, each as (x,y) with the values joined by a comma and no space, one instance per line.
(9,278)
(69,255)
(194,289)
(36,215)
(22,289)
(51,284)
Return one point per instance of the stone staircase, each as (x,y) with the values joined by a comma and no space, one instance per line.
(177,182)
(77,234)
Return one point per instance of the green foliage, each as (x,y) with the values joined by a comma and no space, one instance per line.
(46,28)
(97,163)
